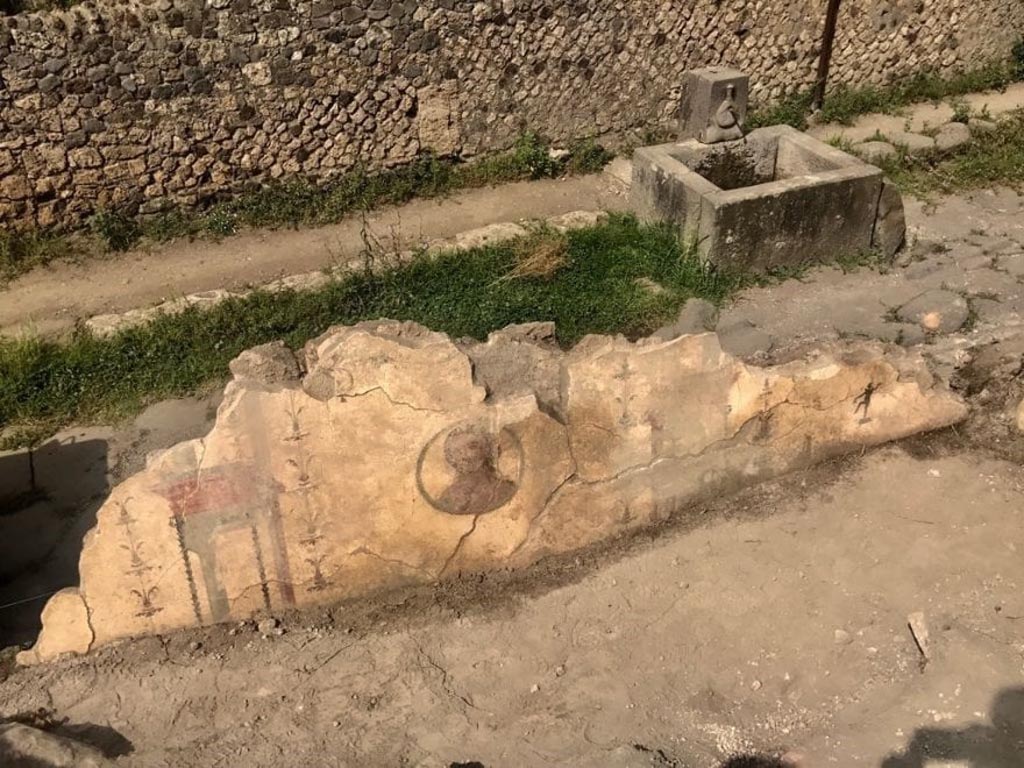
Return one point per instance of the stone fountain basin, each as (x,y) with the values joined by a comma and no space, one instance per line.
(776,198)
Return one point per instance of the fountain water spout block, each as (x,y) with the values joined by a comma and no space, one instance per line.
(714,105)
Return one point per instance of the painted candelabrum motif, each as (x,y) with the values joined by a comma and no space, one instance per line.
(206,505)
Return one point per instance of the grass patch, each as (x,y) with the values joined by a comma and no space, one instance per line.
(791,110)
(301,202)
(22,251)
(992,158)
(843,104)
(585,281)
(540,255)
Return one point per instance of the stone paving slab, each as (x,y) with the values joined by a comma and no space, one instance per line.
(920,117)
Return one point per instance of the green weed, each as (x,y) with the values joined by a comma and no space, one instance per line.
(992,158)
(302,202)
(22,251)
(961,109)
(586,281)
(1017,57)
(843,103)
(792,110)
(841,142)
(118,231)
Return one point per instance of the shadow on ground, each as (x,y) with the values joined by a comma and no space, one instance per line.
(998,745)
(101,737)
(48,501)
(35,747)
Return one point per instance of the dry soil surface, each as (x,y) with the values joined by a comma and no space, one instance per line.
(51,299)
(773,620)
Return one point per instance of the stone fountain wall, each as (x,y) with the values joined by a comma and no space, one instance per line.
(401,458)
(142,104)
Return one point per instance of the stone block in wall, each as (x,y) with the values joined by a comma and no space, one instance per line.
(45,159)
(437,120)
(85,157)
(7,162)
(15,186)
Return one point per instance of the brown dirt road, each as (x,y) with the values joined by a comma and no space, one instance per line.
(776,619)
(53,298)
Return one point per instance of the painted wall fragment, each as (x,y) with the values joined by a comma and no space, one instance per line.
(388,464)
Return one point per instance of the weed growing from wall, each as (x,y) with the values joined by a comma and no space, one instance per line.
(301,202)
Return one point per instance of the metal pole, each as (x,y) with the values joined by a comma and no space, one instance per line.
(825,61)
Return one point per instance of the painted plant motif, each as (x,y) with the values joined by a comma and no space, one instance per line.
(306,509)
(145,597)
(319,582)
(294,412)
(145,593)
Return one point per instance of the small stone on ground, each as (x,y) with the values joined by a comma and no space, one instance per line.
(914,142)
(696,316)
(21,745)
(873,151)
(980,125)
(937,311)
(744,339)
(952,136)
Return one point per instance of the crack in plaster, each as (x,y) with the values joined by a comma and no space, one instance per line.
(88,620)
(547,503)
(445,677)
(363,550)
(390,399)
(458,547)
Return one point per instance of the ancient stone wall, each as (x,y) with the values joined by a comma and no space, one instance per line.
(146,103)
(401,458)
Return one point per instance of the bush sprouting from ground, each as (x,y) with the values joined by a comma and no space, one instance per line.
(21,251)
(118,232)
(595,280)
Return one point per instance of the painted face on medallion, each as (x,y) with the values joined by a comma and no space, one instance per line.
(469,470)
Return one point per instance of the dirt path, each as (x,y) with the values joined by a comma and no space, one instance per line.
(922,116)
(778,622)
(53,298)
